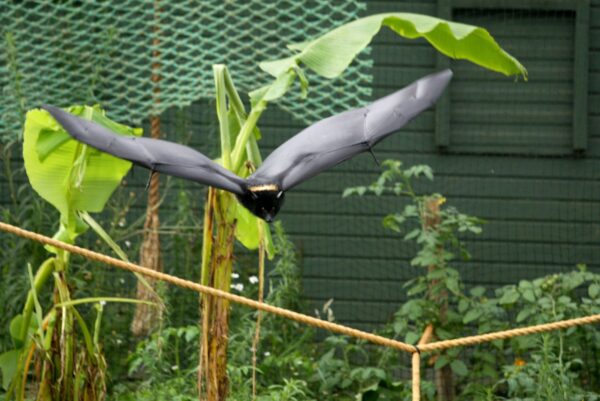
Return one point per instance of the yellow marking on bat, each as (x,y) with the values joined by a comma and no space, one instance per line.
(264,187)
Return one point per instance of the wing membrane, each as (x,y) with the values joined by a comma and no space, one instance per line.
(155,154)
(340,137)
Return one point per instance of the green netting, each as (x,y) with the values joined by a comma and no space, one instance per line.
(95,51)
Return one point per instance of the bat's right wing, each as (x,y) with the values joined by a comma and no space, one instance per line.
(155,154)
(342,136)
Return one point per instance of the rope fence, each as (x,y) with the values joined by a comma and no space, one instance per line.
(424,346)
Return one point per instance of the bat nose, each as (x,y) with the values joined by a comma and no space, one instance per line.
(269,218)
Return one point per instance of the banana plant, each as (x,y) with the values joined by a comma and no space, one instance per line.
(76,180)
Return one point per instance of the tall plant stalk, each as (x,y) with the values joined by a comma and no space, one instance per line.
(220,220)
(147,318)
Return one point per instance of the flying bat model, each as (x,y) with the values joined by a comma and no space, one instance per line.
(315,149)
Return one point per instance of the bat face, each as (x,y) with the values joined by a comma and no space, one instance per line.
(315,149)
(263,201)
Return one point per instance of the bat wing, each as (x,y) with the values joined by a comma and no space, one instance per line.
(340,137)
(155,154)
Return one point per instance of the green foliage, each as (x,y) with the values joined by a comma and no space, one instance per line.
(557,367)
(166,363)
(330,54)
(67,174)
(292,365)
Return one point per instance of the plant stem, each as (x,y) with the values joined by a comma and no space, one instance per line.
(40,279)
(261,284)
(222,114)
(245,132)
(6,158)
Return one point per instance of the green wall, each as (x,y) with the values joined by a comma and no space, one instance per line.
(540,199)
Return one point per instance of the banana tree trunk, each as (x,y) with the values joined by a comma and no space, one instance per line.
(216,273)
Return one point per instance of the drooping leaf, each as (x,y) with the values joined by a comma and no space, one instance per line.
(246,228)
(277,88)
(68,174)
(330,54)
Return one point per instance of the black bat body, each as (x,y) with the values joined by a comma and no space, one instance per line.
(311,151)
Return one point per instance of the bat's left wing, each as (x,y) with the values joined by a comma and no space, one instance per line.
(154,154)
(340,137)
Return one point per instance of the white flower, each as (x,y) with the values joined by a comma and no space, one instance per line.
(128,244)
(267,353)
(253,279)
(122,223)
(238,287)
(102,303)
(235,275)
(174,367)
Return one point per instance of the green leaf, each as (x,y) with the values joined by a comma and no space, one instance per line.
(524,314)
(509,297)
(89,220)
(16,327)
(399,326)
(528,295)
(472,315)
(594,290)
(463,305)
(330,54)
(49,141)
(477,291)
(278,88)
(411,337)
(8,366)
(246,229)
(459,367)
(440,362)
(452,285)
(80,301)
(413,234)
(67,174)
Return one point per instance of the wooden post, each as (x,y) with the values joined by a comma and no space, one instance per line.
(416,364)
(443,376)
(147,317)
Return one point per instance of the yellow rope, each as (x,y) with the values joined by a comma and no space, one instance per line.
(501,335)
(309,320)
(322,324)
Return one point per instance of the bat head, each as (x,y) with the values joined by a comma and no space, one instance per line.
(263,201)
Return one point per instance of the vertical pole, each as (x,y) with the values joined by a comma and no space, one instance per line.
(416,376)
(416,363)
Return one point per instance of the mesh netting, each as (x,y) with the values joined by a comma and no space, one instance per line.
(107,52)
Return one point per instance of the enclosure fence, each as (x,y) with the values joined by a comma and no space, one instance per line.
(416,350)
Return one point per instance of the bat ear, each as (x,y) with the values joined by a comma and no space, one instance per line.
(279,194)
(254,195)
